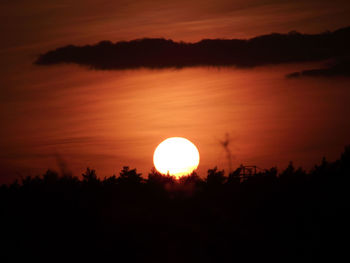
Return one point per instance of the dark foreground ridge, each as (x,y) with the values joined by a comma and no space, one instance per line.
(291,216)
(161,53)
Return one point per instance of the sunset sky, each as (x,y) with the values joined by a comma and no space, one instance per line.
(107,119)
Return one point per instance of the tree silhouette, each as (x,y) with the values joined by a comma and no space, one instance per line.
(234,177)
(156,178)
(90,176)
(293,216)
(215,177)
(128,176)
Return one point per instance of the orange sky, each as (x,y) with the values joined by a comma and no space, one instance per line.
(56,22)
(74,112)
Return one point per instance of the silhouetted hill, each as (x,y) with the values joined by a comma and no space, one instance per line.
(162,53)
(291,216)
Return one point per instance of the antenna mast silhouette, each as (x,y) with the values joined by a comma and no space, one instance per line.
(225,144)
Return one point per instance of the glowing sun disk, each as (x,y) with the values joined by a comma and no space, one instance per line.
(176,156)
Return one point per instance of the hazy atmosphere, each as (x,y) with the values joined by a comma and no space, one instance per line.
(107,119)
(184,131)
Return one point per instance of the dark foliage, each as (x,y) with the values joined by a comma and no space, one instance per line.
(293,216)
(161,53)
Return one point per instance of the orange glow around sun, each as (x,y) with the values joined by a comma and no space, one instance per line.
(176,156)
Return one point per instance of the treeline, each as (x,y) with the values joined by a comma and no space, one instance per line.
(288,216)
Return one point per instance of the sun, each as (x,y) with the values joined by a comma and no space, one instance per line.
(176,156)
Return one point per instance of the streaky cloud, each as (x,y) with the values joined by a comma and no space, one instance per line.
(163,53)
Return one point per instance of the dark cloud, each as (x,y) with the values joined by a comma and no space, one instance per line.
(161,53)
(339,68)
